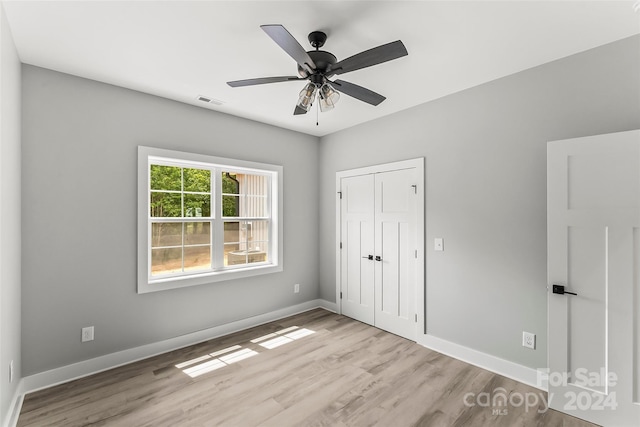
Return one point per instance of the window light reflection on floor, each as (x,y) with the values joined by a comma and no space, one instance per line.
(207,356)
(245,353)
(221,358)
(286,338)
(205,367)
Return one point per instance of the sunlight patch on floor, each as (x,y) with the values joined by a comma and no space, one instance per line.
(221,358)
(287,338)
(207,356)
(205,367)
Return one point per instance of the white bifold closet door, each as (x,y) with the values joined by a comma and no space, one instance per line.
(378,258)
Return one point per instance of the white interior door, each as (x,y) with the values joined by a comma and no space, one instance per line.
(357,265)
(594,252)
(396,253)
(380,244)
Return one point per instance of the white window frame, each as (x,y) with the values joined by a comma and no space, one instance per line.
(149,155)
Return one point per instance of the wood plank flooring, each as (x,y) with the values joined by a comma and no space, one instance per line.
(313,369)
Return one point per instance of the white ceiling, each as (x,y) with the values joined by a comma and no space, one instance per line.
(182,49)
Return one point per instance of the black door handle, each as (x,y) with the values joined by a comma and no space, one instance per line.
(369,257)
(378,258)
(559,289)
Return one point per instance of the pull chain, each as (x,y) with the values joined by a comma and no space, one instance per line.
(317,107)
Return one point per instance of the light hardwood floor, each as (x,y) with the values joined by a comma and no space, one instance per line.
(327,371)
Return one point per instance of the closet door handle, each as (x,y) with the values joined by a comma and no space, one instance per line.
(559,289)
(378,258)
(369,257)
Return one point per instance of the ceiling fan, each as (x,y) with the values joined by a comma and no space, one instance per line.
(318,66)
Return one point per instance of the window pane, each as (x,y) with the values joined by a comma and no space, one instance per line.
(258,240)
(255,231)
(246,231)
(230,183)
(230,206)
(246,242)
(232,232)
(257,252)
(197,205)
(254,206)
(232,259)
(165,178)
(197,180)
(165,261)
(165,205)
(235,253)
(251,191)
(255,185)
(232,243)
(166,234)
(238,254)
(197,233)
(197,258)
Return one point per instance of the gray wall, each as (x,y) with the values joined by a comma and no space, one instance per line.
(9,215)
(485,151)
(79,218)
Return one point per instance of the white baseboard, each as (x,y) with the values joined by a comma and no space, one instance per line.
(11,418)
(92,366)
(482,360)
(327,305)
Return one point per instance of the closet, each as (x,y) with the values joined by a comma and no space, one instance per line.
(380,232)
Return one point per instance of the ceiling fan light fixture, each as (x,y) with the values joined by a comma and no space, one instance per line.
(307,95)
(328,97)
(318,66)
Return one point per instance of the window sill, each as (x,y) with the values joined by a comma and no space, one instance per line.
(161,284)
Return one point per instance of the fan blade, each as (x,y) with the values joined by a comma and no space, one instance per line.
(299,111)
(358,92)
(262,80)
(370,57)
(289,44)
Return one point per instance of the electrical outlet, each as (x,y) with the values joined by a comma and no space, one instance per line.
(296,288)
(87,334)
(11,371)
(529,340)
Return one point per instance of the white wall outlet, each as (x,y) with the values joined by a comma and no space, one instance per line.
(438,244)
(11,371)
(296,288)
(529,340)
(87,334)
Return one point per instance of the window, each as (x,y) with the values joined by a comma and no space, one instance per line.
(203,219)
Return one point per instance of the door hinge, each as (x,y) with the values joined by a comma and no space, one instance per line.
(340,245)
(340,193)
(415,188)
(416,317)
(340,294)
(416,254)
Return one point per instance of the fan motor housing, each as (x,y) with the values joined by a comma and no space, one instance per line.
(323,60)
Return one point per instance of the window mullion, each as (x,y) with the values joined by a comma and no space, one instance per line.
(217,242)
(182,211)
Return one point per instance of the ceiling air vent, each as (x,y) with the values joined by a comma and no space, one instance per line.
(210,100)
